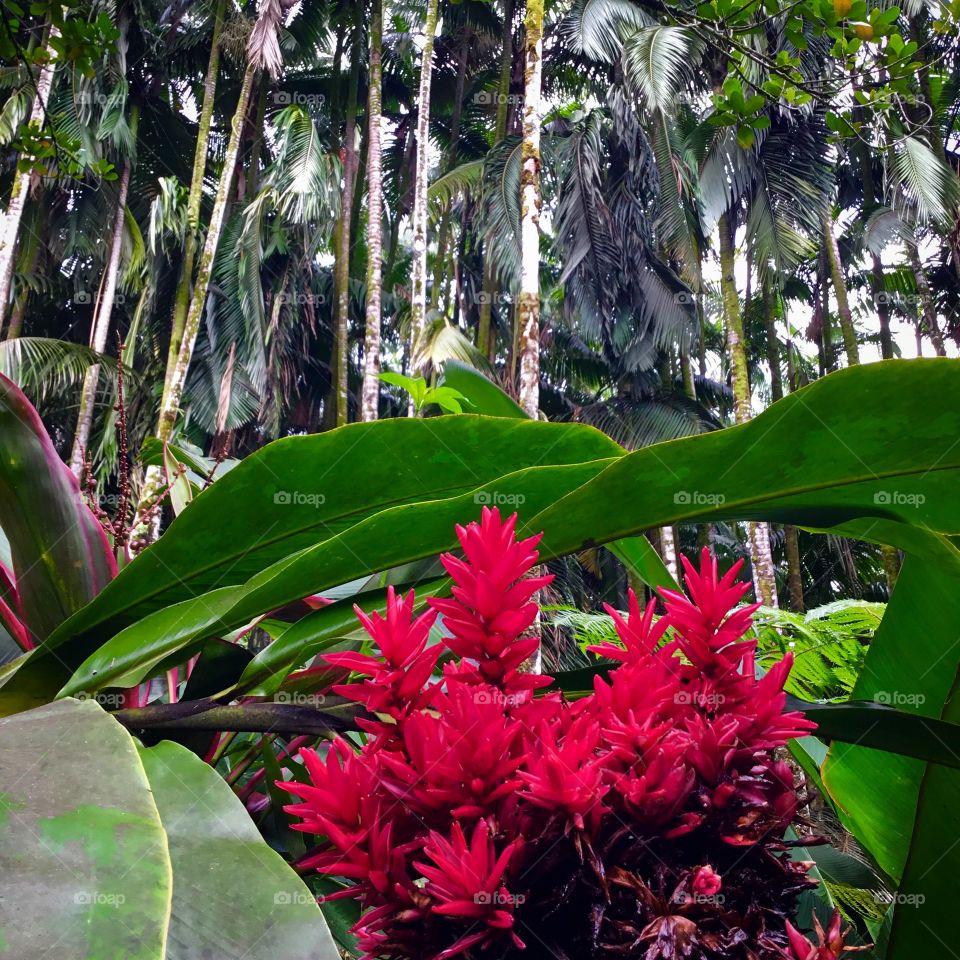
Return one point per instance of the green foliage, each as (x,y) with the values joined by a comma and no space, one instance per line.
(446,398)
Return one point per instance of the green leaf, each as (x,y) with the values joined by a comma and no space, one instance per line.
(927,593)
(232,895)
(297,492)
(882,727)
(924,917)
(130,656)
(86,871)
(485,396)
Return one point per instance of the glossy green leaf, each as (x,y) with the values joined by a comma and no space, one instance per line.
(924,918)
(232,895)
(919,629)
(484,395)
(86,874)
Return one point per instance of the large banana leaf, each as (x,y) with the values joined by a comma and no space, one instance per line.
(111,853)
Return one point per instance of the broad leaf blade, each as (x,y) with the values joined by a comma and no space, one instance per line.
(86,871)
(232,895)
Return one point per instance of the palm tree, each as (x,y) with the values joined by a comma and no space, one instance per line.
(370,391)
(263,53)
(528,300)
(100,327)
(10,226)
(418,273)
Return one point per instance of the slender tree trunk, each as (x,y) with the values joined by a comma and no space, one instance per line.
(528,304)
(342,267)
(790,536)
(927,305)
(370,393)
(668,551)
(443,236)
(100,328)
(181,301)
(176,378)
(840,292)
(10,224)
(418,278)
(883,309)
(486,340)
(891,561)
(764,580)
(256,147)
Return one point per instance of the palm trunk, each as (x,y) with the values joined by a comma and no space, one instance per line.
(840,292)
(100,328)
(443,236)
(486,341)
(10,226)
(370,393)
(528,304)
(418,278)
(790,536)
(764,580)
(926,300)
(668,551)
(145,533)
(343,231)
(181,300)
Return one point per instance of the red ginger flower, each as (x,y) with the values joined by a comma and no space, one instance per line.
(343,802)
(706,882)
(467,883)
(706,624)
(491,607)
(586,802)
(830,945)
(638,633)
(567,776)
(460,760)
(397,683)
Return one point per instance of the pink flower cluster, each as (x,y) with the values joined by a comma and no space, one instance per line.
(480,819)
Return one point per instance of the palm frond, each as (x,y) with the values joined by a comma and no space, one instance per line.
(465,180)
(596,28)
(658,62)
(924,181)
